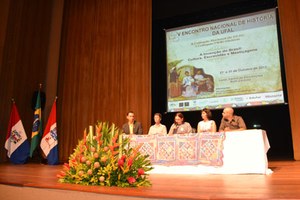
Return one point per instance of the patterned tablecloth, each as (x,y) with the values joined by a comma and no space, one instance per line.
(190,149)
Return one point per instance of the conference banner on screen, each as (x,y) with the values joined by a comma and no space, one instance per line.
(234,61)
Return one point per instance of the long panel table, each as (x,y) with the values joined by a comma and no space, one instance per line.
(244,152)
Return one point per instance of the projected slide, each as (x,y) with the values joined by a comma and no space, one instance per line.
(230,62)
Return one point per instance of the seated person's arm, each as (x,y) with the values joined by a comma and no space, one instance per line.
(124,129)
(140,130)
(150,131)
(189,129)
(164,130)
(214,127)
(171,131)
(198,128)
(242,124)
(222,126)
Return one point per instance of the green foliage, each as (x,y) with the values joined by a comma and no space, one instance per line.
(106,159)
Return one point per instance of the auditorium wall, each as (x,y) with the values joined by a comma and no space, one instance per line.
(96,56)
(102,71)
(24,40)
(104,66)
(289,12)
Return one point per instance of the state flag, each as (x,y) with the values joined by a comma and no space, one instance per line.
(49,142)
(16,143)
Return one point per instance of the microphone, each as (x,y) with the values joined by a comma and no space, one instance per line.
(175,128)
(176,125)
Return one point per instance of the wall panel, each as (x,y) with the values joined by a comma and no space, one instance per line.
(24,59)
(289,13)
(104,66)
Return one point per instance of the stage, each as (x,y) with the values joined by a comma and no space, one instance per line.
(38,181)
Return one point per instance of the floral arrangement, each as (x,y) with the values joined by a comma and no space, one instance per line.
(106,159)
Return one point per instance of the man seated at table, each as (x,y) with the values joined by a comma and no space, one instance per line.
(231,122)
(132,126)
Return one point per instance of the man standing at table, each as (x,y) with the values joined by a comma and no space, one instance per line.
(231,122)
(132,126)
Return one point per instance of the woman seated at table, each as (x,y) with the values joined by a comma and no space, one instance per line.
(207,124)
(180,126)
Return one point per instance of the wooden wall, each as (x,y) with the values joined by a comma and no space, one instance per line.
(23,63)
(104,66)
(289,13)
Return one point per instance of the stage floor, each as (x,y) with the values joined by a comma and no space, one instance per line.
(283,183)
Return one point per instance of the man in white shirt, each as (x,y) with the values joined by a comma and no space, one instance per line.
(157,128)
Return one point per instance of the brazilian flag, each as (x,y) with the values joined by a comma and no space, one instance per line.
(37,125)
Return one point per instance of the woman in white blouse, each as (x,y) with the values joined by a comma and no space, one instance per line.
(157,128)
(207,124)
